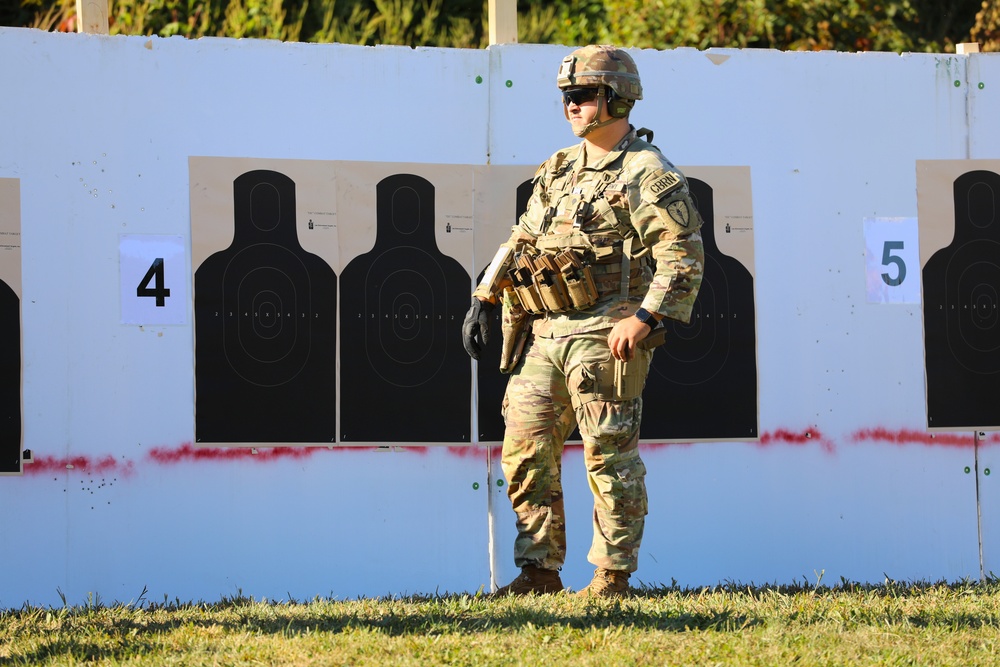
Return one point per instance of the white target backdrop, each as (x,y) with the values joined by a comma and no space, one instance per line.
(101,395)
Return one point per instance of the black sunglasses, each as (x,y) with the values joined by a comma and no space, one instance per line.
(579,96)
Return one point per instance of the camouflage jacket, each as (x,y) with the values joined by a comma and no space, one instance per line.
(633,200)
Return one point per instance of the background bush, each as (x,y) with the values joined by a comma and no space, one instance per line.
(843,25)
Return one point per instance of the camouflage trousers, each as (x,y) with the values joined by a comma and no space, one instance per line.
(550,392)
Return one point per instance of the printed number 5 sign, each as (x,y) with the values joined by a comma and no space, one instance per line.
(892,260)
(153,279)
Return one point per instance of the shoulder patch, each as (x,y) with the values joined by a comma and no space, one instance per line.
(679,212)
(659,184)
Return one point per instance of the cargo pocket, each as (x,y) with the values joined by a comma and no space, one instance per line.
(615,380)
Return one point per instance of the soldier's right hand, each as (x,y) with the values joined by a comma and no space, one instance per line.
(476,328)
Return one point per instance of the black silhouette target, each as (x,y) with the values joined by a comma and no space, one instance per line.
(702,384)
(962,311)
(700,350)
(265,327)
(266,344)
(10,380)
(403,346)
(491,382)
(405,376)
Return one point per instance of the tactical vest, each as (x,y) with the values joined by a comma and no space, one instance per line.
(585,251)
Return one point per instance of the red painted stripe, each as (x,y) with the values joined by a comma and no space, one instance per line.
(83,464)
(188,453)
(913,437)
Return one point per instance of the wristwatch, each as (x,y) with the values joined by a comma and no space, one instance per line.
(647,318)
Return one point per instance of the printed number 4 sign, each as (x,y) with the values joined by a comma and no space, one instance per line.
(153,279)
(892,260)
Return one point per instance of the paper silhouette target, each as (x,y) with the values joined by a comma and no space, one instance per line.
(11,432)
(286,352)
(702,384)
(404,373)
(265,327)
(10,380)
(491,382)
(962,311)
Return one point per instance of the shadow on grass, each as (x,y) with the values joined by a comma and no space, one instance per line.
(126,630)
(132,635)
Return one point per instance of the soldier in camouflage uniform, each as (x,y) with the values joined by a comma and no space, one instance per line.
(609,246)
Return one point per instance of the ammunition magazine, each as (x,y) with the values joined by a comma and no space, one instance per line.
(553,283)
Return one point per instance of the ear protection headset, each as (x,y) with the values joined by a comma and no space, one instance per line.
(617,106)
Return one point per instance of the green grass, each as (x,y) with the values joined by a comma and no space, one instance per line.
(892,624)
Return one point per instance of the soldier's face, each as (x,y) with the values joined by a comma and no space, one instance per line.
(582,107)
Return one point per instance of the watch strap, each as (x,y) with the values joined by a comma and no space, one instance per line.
(646,318)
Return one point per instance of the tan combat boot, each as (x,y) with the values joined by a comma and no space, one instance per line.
(606,584)
(532,579)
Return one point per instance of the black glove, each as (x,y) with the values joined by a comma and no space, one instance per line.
(477,325)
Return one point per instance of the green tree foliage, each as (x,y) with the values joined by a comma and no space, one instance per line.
(986,30)
(843,25)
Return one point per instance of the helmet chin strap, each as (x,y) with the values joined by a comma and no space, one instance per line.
(594,124)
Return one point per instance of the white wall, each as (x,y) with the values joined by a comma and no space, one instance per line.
(98,131)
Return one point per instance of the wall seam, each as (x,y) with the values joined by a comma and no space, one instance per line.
(490,509)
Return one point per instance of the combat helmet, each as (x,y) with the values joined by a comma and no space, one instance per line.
(601,65)
(608,68)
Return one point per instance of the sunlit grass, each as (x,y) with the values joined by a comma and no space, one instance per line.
(849,624)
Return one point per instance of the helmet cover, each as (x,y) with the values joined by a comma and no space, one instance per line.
(601,65)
